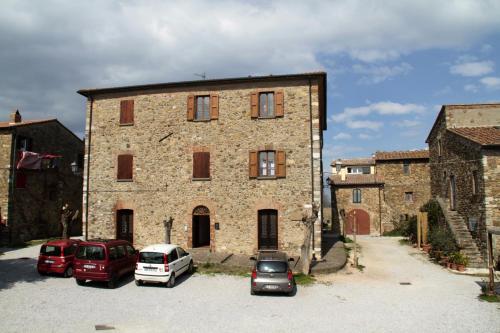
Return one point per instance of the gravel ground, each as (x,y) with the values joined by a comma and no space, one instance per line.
(368,301)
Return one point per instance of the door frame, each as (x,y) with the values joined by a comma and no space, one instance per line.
(259,233)
(130,227)
(453,192)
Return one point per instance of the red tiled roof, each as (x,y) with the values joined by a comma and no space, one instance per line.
(355,161)
(356,180)
(6,124)
(485,136)
(402,155)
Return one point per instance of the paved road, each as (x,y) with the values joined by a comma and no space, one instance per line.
(372,301)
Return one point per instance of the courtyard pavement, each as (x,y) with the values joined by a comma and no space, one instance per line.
(374,300)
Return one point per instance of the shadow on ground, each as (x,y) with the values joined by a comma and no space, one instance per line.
(19,270)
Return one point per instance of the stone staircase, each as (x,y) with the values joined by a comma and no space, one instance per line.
(458,227)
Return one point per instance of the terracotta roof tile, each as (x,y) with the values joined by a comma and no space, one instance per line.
(355,161)
(6,124)
(356,180)
(402,155)
(485,136)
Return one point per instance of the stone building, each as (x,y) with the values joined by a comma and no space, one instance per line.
(464,145)
(32,195)
(380,191)
(234,162)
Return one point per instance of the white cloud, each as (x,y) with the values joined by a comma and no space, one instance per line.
(471,88)
(382,108)
(366,124)
(342,136)
(407,123)
(477,68)
(376,74)
(365,136)
(445,91)
(491,82)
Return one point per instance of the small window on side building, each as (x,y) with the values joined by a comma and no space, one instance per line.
(475,182)
(201,165)
(356,195)
(202,107)
(125,167)
(406,167)
(409,196)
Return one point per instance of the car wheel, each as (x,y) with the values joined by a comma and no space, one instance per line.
(80,282)
(112,283)
(171,281)
(191,267)
(252,292)
(68,272)
(138,282)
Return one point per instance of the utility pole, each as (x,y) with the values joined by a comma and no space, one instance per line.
(355,227)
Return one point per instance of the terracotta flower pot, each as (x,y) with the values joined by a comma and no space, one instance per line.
(460,268)
(453,266)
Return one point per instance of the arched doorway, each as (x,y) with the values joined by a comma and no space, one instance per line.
(125,225)
(268,229)
(362,222)
(201,226)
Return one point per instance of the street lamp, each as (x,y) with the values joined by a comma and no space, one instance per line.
(75,168)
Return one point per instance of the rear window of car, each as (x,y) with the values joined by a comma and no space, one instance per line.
(90,252)
(272,266)
(151,257)
(49,250)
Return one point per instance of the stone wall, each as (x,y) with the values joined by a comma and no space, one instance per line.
(491,177)
(472,115)
(397,183)
(162,184)
(5,156)
(36,208)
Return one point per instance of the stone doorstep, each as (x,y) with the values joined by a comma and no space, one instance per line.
(471,271)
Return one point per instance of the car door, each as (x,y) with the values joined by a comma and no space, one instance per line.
(132,257)
(174,262)
(183,260)
(122,260)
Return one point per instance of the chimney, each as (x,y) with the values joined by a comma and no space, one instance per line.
(15,117)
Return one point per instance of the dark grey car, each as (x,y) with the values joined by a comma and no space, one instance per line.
(271,273)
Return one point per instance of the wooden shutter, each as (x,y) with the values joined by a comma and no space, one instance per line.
(254,105)
(214,106)
(201,165)
(253,165)
(279,108)
(127,112)
(281,164)
(125,167)
(190,107)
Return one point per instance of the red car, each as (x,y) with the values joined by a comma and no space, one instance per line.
(104,260)
(57,257)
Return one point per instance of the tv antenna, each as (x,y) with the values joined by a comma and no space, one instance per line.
(202,75)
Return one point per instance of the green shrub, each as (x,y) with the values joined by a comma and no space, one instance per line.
(409,229)
(441,239)
(435,215)
(459,258)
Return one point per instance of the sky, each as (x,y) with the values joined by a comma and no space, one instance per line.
(390,64)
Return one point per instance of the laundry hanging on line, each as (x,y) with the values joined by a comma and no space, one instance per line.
(33,161)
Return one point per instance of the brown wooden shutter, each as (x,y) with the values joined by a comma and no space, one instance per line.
(281,164)
(279,106)
(125,167)
(214,106)
(253,165)
(254,105)
(190,107)
(201,165)
(127,111)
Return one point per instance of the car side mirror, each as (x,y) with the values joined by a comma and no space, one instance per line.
(253,258)
(185,254)
(291,259)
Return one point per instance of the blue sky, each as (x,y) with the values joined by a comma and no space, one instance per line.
(391,64)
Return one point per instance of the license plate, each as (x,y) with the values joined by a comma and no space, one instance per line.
(271,286)
(49,261)
(149,269)
(89,266)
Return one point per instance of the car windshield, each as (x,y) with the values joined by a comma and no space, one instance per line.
(90,252)
(272,266)
(49,250)
(151,257)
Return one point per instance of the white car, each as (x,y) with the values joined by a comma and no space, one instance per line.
(162,263)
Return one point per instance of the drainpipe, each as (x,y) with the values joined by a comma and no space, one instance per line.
(380,210)
(12,177)
(89,139)
(312,159)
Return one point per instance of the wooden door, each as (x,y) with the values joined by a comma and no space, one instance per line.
(362,220)
(268,229)
(125,225)
(453,193)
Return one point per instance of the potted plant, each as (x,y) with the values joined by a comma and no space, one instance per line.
(461,261)
(452,262)
(426,247)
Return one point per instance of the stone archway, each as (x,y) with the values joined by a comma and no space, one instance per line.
(362,221)
(200,227)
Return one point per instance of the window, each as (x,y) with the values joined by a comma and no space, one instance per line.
(356,195)
(359,170)
(409,196)
(70,250)
(120,251)
(472,223)
(130,250)
(439,147)
(338,167)
(475,182)
(127,112)
(151,257)
(181,252)
(90,252)
(266,105)
(24,143)
(406,167)
(267,164)
(125,165)
(201,165)
(48,250)
(113,253)
(202,108)
(173,256)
